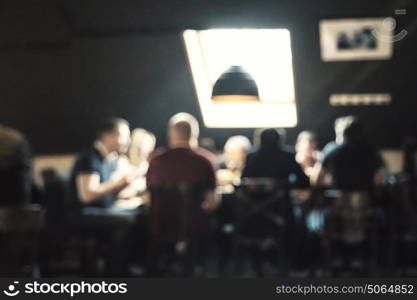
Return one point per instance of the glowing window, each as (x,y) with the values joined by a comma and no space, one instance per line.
(265,54)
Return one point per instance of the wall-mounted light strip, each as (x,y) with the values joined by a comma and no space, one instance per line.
(359,99)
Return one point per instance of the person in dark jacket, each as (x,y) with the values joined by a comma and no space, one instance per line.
(272,160)
(15,167)
(352,165)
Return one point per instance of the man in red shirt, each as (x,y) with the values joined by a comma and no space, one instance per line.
(193,141)
(180,165)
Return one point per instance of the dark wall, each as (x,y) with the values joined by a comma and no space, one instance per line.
(66,64)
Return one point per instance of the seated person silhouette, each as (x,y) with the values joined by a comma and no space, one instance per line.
(271,160)
(233,159)
(307,152)
(136,160)
(355,168)
(15,167)
(274,161)
(339,127)
(20,222)
(353,164)
(194,142)
(178,221)
(93,190)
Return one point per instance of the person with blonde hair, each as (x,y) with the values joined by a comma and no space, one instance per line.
(307,152)
(136,160)
(141,146)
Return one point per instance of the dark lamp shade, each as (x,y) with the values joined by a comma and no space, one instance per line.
(235,84)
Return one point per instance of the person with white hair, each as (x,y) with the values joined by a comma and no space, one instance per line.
(233,159)
(235,150)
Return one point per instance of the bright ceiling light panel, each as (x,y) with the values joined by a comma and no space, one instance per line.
(265,54)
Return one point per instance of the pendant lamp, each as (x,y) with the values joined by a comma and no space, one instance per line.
(235,84)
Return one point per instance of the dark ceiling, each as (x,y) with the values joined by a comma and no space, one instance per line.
(66,64)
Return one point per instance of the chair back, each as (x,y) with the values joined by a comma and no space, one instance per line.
(350,215)
(175,212)
(54,197)
(19,234)
(262,206)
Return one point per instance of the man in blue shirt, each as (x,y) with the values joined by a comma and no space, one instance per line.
(93,190)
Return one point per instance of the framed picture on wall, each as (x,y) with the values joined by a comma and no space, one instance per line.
(356,39)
